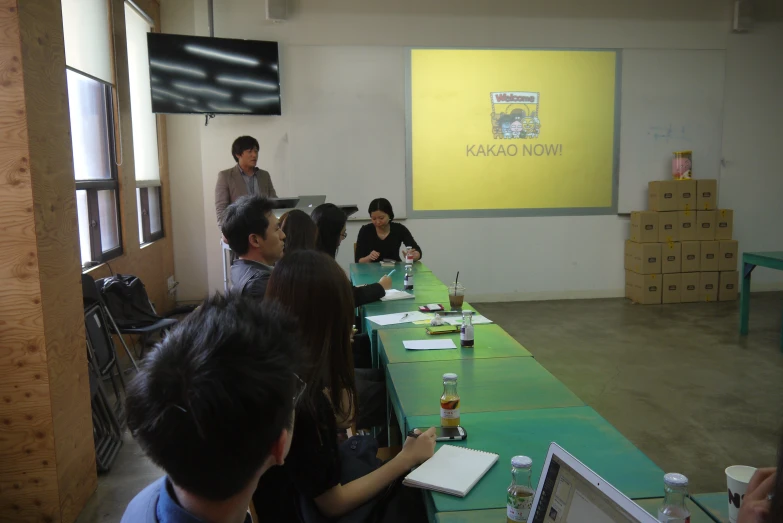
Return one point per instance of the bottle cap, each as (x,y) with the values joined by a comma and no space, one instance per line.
(675,480)
(467,313)
(450,376)
(521,462)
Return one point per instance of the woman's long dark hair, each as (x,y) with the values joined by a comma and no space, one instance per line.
(330,220)
(383,205)
(312,287)
(299,231)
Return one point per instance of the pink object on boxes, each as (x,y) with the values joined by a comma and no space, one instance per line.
(682,165)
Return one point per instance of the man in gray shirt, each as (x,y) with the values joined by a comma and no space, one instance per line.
(254,234)
(242,179)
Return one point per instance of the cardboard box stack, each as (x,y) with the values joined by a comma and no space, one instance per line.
(681,249)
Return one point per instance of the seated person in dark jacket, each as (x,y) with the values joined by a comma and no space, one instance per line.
(253,233)
(214,408)
(381,239)
(330,221)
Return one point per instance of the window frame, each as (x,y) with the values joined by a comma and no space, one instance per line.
(144,202)
(91,187)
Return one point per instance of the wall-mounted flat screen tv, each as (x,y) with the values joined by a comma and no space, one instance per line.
(193,74)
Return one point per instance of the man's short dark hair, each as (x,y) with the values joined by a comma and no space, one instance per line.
(242,144)
(246,216)
(215,395)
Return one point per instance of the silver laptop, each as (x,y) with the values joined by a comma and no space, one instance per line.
(569,492)
(308,203)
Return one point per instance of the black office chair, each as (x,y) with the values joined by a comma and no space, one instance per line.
(143,335)
(106,428)
(92,297)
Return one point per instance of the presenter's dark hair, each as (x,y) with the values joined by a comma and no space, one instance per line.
(330,220)
(242,144)
(299,230)
(314,289)
(248,215)
(215,395)
(383,205)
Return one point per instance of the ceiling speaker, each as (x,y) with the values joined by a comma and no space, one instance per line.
(276,10)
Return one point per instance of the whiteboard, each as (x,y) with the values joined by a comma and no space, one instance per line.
(672,100)
(345,113)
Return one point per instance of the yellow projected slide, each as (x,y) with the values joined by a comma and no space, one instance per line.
(509,129)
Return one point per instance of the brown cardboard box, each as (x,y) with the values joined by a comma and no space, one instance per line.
(729,286)
(646,288)
(629,281)
(643,258)
(689,287)
(691,256)
(671,253)
(705,222)
(687,231)
(672,284)
(710,257)
(708,286)
(663,196)
(707,195)
(628,256)
(724,224)
(668,226)
(728,255)
(644,226)
(686,194)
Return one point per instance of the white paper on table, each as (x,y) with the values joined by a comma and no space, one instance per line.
(429,344)
(399,317)
(478,319)
(394,294)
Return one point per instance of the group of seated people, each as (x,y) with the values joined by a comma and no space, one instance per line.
(247,398)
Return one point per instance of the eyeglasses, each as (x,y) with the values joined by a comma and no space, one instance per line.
(344,235)
(300,389)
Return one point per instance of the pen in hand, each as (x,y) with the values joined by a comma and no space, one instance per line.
(392,272)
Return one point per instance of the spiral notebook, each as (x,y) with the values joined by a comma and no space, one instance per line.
(452,470)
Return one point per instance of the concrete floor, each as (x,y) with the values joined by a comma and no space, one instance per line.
(674,379)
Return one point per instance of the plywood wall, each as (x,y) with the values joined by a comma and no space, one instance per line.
(47,457)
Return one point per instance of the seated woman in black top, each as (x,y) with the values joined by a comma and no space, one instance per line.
(313,288)
(299,231)
(381,239)
(330,221)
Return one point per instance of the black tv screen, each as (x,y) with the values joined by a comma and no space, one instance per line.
(194,74)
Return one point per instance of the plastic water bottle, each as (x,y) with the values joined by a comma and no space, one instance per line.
(673,509)
(408,255)
(408,281)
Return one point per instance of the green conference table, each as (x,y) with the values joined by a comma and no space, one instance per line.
(491,341)
(715,504)
(751,260)
(365,273)
(498,515)
(484,385)
(580,430)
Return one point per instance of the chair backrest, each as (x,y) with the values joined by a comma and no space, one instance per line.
(99,337)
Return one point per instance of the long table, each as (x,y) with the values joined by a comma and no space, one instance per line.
(751,260)
(510,404)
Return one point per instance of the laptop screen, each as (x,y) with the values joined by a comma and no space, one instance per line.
(567,497)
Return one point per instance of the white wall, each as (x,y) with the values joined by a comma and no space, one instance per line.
(510,258)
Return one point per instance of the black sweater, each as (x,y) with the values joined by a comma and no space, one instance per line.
(389,247)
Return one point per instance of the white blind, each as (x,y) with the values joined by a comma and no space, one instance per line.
(145,128)
(87,30)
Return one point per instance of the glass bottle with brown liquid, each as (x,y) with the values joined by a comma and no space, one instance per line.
(449,402)
(520,496)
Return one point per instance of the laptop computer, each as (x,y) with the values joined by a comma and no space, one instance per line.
(308,203)
(569,492)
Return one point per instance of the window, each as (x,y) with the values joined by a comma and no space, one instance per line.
(95,169)
(145,128)
(86,30)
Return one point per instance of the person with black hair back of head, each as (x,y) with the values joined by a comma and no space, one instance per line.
(254,234)
(242,179)
(381,239)
(299,229)
(331,222)
(213,406)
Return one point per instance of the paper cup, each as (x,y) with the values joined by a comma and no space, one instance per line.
(737,479)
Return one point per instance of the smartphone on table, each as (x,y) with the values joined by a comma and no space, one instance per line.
(445,433)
